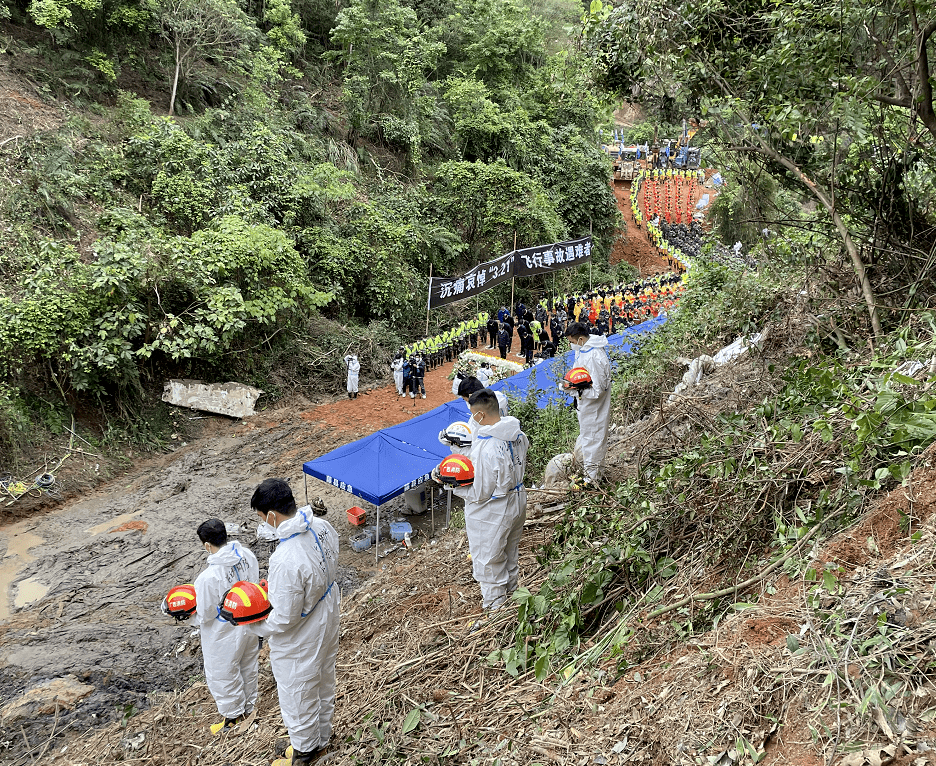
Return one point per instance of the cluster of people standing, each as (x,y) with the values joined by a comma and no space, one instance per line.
(301,623)
(604,311)
(447,345)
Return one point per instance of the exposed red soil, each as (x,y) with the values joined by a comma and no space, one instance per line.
(769,631)
(381,406)
(632,244)
(891,523)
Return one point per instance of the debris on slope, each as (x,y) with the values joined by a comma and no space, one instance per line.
(838,656)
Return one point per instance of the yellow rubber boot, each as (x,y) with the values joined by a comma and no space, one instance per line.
(287,761)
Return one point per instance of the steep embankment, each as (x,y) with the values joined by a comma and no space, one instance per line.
(826,644)
(416,682)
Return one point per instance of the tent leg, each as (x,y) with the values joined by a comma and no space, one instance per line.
(377,540)
(448,509)
(305,481)
(432,508)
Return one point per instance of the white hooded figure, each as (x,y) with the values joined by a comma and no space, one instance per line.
(465,387)
(354,369)
(303,626)
(495,504)
(594,404)
(230,654)
(397,366)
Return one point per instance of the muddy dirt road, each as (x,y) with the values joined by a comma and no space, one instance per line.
(81,585)
(632,245)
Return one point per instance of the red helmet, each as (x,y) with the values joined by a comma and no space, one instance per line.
(457,471)
(578,378)
(245,602)
(180,602)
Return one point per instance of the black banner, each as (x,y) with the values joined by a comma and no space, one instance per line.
(547,258)
(483,277)
(519,263)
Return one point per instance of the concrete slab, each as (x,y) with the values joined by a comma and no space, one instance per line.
(232,399)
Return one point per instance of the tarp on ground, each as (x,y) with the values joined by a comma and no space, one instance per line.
(385,464)
(376,468)
(543,380)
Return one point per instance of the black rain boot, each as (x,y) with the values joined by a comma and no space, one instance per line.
(307,759)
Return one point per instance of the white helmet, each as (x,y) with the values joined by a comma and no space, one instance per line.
(458,434)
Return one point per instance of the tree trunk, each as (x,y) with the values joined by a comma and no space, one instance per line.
(829,204)
(175,77)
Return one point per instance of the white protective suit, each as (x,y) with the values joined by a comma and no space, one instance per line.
(397,366)
(503,405)
(495,508)
(354,369)
(230,653)
(483,376)
(303,626)
(594,404)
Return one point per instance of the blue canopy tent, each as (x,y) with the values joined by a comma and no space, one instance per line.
(423,431)
(381,467)
(377,468)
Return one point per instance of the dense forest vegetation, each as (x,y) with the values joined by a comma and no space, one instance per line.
(241,190)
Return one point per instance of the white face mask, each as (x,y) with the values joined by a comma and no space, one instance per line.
(266,531)
(576,346)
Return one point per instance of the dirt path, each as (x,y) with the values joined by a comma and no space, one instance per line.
(633,245)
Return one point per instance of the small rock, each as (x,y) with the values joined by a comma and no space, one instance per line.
(43,699)
(133,741)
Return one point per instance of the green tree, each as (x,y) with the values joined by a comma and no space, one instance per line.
(806,91)
(489,203)
(199,28)
(387,56)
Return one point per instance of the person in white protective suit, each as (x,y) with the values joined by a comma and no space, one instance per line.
(354,370)
(495,504)
(230,654)
(397,366)
(594,404)
(468,386)
(304,624)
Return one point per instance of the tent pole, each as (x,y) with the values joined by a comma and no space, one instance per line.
(513,280)
(377,540)
(432,508)
(448,509)
(305,480)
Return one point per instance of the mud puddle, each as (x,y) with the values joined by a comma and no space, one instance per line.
(16,541)
(81,586)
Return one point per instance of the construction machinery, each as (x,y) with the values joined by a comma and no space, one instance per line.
(685,157)
(627,165)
